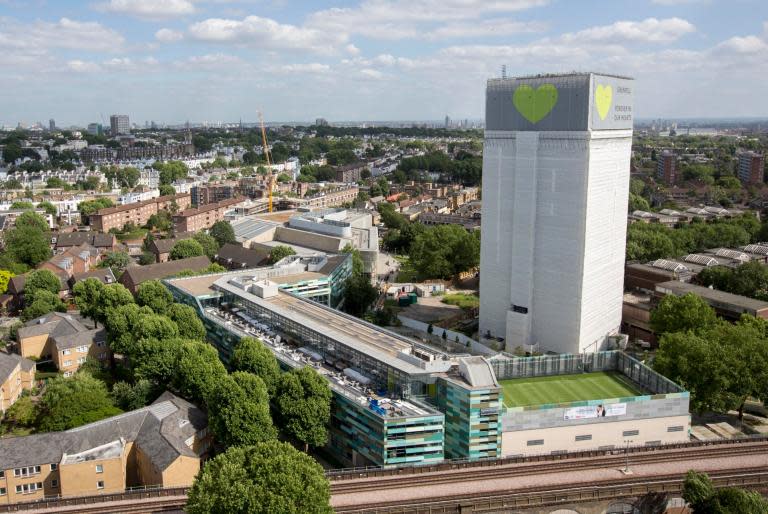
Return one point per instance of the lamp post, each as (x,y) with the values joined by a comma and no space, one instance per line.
(626,469)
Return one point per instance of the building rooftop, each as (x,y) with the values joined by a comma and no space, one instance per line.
(139,274)
(713,295)
(602,385)
(9,361)
(160,430)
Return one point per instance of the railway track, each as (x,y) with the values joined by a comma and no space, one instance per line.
(533,497)
(351,486)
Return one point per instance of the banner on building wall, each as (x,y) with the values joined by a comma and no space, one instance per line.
(596,411)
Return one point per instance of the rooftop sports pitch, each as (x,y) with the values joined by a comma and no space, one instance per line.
(520,392)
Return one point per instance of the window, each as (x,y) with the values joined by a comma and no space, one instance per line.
(82,349)
(28,488)
(3,492)
(520,309)
(27,471)
(630,433)
(535,442)
(99,468)
(81,360)
(100,484)
(54,483)
(67,374)
(2,474)
(100,344)
(102,355)
(678,428)
(54,467)
(66,352)
(585,437)
(67,363)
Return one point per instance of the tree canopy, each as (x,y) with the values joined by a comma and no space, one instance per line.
(29,241)
(682,314)
(280,252)
(209,244)
(154,295)
(303,400)
(70,402)
(239,410)
(443,251)
(185,249)
(223,232)
(252,356)
(701,495)
(269,477)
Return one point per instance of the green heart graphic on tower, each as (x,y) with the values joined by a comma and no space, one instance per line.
(535,104)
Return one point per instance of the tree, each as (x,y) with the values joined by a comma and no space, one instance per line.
(209,244)
(359,294)
(161,221)
(40,280)
(199,369)
(5,278)
(89,207)
(443,251)
(223,233)
(70,402)
(430,329)
(87,293)
(111,297)
(44,303)
(156,360)
(280,252)
(29,241)
(252,356)
(445,335)
(303,401)
(701,495)
(117,261)
(185,249)
(22,205)
(48,207)
(238,410)
(11,153)
(131,397)
(186,318)
(167,189)
(682,314)
(154,295)
(266,478)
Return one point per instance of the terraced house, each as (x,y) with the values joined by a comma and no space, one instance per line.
(163,444)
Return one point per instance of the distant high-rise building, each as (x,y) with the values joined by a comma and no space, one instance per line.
(447,121)
(751,168)
(51,124)
(321,122)
(556,164)
(119,124)
(95,129)
(666,167)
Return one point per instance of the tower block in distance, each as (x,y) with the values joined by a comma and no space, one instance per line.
(556,162)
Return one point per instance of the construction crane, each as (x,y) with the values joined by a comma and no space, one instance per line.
(270,177)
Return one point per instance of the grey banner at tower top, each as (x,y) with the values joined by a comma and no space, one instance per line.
(577,102)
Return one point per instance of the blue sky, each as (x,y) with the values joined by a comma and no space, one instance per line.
(222,60)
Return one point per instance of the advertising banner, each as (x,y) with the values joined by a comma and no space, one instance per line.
(596,411)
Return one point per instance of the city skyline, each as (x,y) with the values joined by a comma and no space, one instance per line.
(171,60)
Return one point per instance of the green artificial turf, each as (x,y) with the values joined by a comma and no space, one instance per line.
(519,392)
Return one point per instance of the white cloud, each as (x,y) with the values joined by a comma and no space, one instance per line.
(352,49)
(266,33)
(484,28)
(79,66)
(209,62)
(744,45)
(39,36)
(371,73)
(312,68)
(148,9)
(168,35)
(400,19)
(650,30)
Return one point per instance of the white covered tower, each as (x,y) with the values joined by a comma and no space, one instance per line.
(555,188)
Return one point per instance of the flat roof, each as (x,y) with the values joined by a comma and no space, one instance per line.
(714,295)
(521,392)
(377,343)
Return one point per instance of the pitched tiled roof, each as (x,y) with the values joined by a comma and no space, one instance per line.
(238,256)
(55,324)
(140,274)
(9,361)
(160,430)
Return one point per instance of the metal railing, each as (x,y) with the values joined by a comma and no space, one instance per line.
(451,464)
(131,493)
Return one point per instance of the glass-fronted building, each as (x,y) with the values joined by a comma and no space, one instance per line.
(395,401)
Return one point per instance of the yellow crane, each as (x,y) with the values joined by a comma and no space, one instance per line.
(270,177)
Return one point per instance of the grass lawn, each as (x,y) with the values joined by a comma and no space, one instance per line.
(519,392)
(463,300)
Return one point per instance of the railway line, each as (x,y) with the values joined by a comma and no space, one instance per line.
(617,461)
